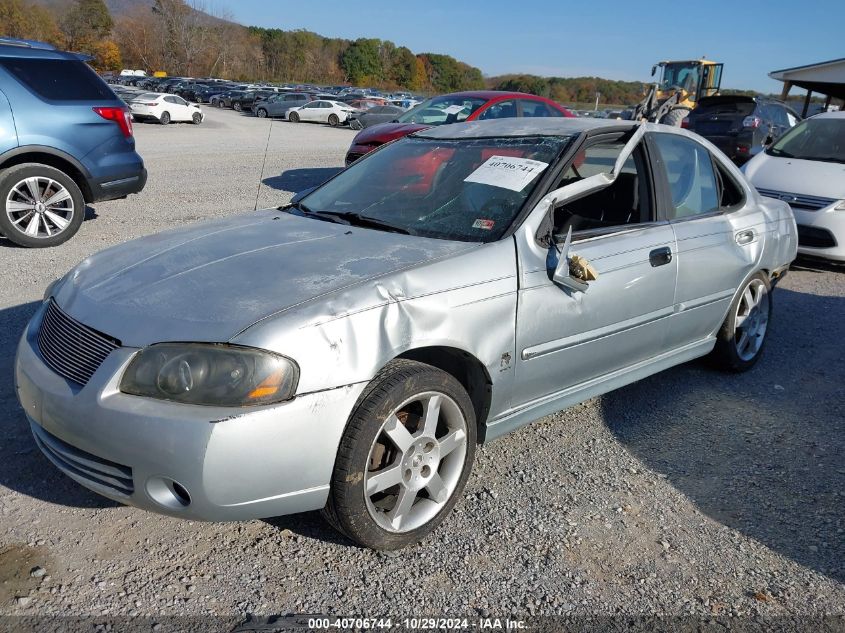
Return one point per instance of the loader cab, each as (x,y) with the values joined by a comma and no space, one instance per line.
(695,78)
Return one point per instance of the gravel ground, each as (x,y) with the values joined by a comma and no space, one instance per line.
(691,492)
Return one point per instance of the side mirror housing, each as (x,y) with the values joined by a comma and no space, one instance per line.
(562,275)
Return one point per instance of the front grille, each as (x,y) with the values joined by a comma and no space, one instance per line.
(815,237)
(96,471)
(71,349)
(797,200)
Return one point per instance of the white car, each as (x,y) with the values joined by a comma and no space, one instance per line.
(164,108)
(321,111)
(806,169)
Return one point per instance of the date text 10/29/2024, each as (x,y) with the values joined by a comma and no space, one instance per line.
(417,624)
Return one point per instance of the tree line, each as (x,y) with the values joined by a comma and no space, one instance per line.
(183,37)
(572,89)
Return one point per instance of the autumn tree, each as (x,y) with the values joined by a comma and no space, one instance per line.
(28,21)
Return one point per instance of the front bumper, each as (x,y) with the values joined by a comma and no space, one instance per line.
(821,233)
(232,464)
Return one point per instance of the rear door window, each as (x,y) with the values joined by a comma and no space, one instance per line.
(59,79)
(689,170)
(533,108)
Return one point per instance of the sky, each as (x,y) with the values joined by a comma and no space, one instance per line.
(606,38)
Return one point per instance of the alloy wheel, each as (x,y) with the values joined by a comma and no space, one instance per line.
(415,462)
(39,207)
(751,319)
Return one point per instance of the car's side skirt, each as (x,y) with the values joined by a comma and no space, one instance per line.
(515,418)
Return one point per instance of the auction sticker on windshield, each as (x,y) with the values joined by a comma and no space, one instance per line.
(508,172)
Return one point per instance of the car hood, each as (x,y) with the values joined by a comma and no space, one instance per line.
(211,281)
(385,132)
(792,175)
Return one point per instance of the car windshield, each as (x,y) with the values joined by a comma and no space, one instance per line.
(821,139)
(468,190)
(440,110)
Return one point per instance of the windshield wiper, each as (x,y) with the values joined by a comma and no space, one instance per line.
(356,219)
(779,153)
(824,159)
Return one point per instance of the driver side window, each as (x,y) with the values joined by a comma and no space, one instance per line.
(627,201)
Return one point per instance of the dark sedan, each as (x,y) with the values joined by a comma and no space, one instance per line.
(375,115)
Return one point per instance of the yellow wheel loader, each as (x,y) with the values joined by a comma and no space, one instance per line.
(677,92)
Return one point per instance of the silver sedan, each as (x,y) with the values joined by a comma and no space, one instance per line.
(348,351)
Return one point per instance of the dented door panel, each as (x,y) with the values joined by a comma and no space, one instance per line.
(565,338)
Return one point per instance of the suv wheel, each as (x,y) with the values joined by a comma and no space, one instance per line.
(404,458)
(41,206)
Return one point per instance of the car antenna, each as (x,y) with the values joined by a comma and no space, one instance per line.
(263,164)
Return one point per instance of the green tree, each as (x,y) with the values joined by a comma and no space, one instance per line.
(86,23)
(361,61)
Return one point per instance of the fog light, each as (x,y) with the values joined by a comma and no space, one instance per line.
(168,493)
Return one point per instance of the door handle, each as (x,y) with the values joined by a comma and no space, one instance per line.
(660,256)
(745,237)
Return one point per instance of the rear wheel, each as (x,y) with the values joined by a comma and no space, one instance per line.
(293,117)
(334,121)
(237,107)
(164,119)
(404,458)
(42,206)
(742,336)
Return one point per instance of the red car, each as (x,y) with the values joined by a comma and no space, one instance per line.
(478,105)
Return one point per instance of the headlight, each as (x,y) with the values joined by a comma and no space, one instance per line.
(208,374)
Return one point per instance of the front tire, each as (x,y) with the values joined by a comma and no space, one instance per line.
(293,117)
(261,113)
(404,458)
(40,206)
(675,116)
(740,341)
(165,118)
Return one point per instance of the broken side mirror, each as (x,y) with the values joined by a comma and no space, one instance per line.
(571,272)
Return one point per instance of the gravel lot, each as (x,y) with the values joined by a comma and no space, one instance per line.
(692,492)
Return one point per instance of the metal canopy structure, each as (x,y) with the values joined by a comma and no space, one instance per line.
(827,78)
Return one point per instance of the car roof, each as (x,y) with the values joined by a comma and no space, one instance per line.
(490,94)
(838,114)
(14,47)
(521,126)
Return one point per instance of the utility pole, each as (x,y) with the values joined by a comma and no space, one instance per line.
(598,94)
